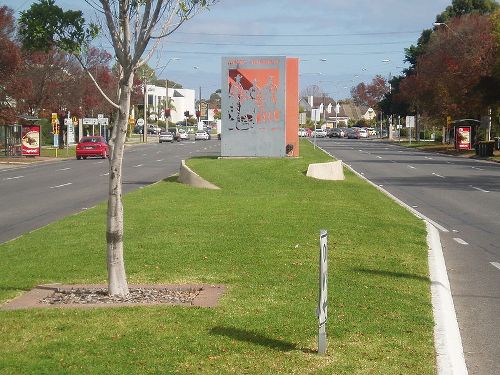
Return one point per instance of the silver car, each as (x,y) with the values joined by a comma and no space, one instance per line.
(165,137)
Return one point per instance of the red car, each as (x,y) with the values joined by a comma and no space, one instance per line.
(92,146)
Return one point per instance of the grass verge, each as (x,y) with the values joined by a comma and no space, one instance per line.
(259,236)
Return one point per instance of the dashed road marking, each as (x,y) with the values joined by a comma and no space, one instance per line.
(411,166)
(460,241)
(137,166)
(59,186)
(63,169)
(479,189)
(12,178)
(495,264)
(438,175)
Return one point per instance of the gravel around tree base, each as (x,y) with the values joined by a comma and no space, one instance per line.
(136,295)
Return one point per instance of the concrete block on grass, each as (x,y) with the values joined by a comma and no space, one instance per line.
(326,171)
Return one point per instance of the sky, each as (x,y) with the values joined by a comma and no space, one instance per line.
(339,43)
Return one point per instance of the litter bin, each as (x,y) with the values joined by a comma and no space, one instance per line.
(485,149)
(497,143)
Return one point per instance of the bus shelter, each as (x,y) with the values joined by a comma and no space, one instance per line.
(10,141)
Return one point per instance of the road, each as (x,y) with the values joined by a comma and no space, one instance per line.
(462,197)
(36,195)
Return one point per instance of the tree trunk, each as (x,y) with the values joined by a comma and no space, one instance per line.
(117,280)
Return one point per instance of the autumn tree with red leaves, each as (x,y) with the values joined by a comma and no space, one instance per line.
(10,62)
(370,94)
(455,60)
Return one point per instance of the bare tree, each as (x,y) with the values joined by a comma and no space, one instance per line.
(132,26)
(312,90)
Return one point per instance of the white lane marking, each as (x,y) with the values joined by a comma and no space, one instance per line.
(460,241)
(379,157)
(63,169)
(479,189)
(411,166)
(58,186)
(381,185)
(428,158)
(12,178)
(449,162)
(104,174)
(159,160)
(454,231)
(137,166)
(414,206)
(99,162)
(495,264)
(437,175)
(479,169)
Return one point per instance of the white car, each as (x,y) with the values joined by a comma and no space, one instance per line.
(165,137)
(183,136)
(201,135)
(302,132)
(363,133)
(320,133)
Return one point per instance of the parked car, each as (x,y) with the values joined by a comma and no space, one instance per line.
(153,129)
(303,132)
(201,135)
(353,133)
(92,146)
(363,133)
(165,137)
(335,133)
(371,131)
(319,133)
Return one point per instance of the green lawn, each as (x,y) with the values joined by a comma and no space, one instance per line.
(258,235)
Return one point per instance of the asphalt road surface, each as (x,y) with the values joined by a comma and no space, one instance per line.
(36,195)
(462,197)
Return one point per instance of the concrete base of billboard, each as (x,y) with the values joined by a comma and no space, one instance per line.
(188,177)
(326,171)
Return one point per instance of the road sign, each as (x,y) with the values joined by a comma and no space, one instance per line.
(410,121)
(103,121)
(90,121)
(323,293)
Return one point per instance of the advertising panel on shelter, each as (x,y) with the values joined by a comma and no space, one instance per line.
(253,106)
(463,138)
(30,140)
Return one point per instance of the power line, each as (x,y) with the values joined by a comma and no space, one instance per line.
(302,35)
(286,45)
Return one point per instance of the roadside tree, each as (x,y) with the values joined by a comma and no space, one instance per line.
(131,26)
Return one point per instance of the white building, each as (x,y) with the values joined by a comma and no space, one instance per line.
(182,100)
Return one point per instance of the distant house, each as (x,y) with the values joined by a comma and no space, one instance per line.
(335,114)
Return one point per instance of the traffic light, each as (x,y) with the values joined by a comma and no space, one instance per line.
(167,112)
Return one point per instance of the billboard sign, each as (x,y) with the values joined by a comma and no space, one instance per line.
(30,140)
(253,106)
(463,138)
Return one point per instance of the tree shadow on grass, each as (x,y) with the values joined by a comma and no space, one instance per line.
(393,274)
(256,338)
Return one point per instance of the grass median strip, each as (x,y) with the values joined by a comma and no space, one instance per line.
(258,236)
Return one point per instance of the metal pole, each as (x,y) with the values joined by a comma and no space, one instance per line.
(145,127)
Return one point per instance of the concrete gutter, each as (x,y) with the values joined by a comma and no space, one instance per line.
(447,340)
